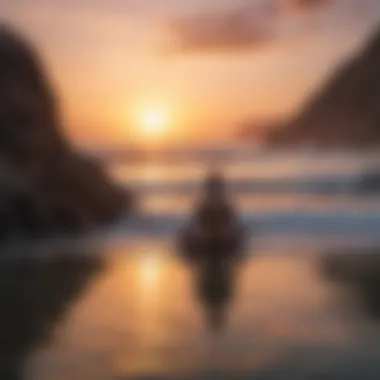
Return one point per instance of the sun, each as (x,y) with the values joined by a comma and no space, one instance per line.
(153,122)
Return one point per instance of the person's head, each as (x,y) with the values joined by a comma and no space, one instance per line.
(215,184)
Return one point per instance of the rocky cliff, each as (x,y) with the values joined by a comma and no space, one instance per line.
(346,111)
(45,186)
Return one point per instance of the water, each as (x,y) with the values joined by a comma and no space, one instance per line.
(138,316)
(283,197)
(123,305)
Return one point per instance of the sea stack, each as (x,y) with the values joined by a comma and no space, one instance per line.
(46,186)
(345,111)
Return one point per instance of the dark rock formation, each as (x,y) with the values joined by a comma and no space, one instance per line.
(35,297)
(45,187)
(359,272)
(346,112)
(258,131)
(369,183)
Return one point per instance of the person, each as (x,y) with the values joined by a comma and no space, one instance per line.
(214,215)
(214,227)
(213,244)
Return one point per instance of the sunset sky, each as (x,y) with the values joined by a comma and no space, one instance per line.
(201,67)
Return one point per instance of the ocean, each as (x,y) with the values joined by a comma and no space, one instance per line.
(284,198)
(123,304)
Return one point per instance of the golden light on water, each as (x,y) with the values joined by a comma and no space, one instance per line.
(150,270)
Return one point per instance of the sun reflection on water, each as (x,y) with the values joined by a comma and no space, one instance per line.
(150,271)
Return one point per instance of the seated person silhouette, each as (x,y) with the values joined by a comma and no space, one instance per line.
(213,244)
(214,228)
(215,214)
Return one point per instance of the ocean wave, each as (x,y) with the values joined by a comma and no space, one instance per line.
(315,224)
(320,185)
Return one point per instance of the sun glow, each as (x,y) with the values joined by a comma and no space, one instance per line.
(153,122)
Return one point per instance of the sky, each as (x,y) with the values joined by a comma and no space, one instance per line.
(208,65)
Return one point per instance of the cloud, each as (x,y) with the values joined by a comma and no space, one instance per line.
(307,4)
(251,24)
(234,30)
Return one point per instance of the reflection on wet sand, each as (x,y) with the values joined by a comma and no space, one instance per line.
(34,298)
(142,319)
(214,276)
(359,272)
(215,282)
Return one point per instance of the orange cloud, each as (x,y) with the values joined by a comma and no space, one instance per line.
(249,25)
(307,4)
(218,32)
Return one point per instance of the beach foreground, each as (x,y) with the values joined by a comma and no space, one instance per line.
(138,315)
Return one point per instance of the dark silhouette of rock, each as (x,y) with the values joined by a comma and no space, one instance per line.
(369,183)
(359,271)
(258,130)
(346,111)
(34,298)
(45,187)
